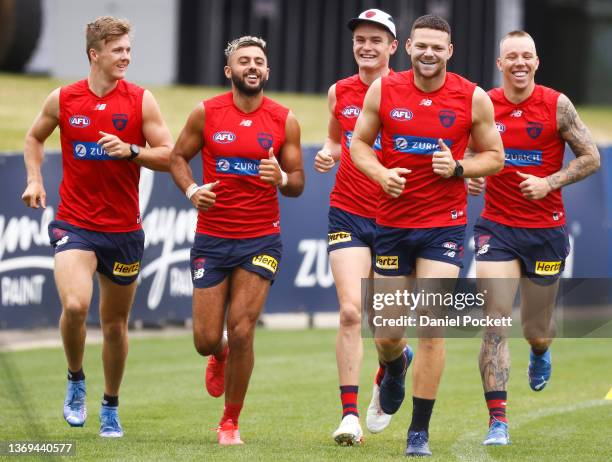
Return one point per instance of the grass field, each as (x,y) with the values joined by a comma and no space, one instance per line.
(21,98)
(293,406)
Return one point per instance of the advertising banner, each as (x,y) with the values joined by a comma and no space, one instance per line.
(28,297)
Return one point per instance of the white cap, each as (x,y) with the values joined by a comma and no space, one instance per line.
(375,16)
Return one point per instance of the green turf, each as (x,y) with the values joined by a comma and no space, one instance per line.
(21,97)
(293,406)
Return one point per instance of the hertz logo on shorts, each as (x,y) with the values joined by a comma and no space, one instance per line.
(547,268)
(385,262)
(337,238)
(267,262)
(126,269)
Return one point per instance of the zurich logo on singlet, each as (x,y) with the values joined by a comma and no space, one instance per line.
(417,144)
(224,137)
(401,114)
(89,150)
(522,158)
(238,166)
(349,136)
(79,121)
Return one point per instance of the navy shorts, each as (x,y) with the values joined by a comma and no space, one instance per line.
(397,249)
(541,251)
(118,254)
(214,258)
(346,229)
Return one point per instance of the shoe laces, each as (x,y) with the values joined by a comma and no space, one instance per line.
(110,419)
(76,394)
(418,438)
(497,426)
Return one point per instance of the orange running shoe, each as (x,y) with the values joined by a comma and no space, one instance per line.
(215,375)
(228,433)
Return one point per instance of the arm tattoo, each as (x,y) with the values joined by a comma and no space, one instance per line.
(577,135)
(494,362)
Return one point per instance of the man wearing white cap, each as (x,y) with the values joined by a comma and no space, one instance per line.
(353,204)
(425,118)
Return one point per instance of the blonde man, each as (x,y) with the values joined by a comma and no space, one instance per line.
(109,128)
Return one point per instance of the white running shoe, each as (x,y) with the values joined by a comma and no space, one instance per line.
(376,419)
(349,432)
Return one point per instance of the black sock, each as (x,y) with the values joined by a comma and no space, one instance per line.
(421,413)
(110,401)
(76,376)
(396,366)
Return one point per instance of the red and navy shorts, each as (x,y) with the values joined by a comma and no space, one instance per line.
(118,254)
(540,251)
(214,258)
(397,249)
(346,229)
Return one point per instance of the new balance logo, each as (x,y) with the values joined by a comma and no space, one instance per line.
(246,123)
(425,102)
(100,107)
(62,241)
(198,273)
(516,113)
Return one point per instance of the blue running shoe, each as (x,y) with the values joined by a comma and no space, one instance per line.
(110,427)
(418,444)
(539,370)
(75,411)
(498,434)
(393,389)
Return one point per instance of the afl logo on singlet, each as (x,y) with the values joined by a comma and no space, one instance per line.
(79,121)
(224,137)
(223,165)
(501,128)
(351,112)
(401,114)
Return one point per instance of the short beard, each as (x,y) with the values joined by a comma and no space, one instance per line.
(243,88)
(434,75)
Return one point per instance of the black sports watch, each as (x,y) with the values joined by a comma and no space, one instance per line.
(458,169)
(134,151)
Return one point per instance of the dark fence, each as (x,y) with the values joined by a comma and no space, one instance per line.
(574,39)
(309,44)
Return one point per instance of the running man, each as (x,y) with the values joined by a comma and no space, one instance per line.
(522,228)
(109,128)
(426,117)
(352,213)
(250,149)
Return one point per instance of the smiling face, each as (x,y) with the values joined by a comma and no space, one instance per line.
(372,46)
(429,51)
(113,56)
(247,67)
(518,62)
